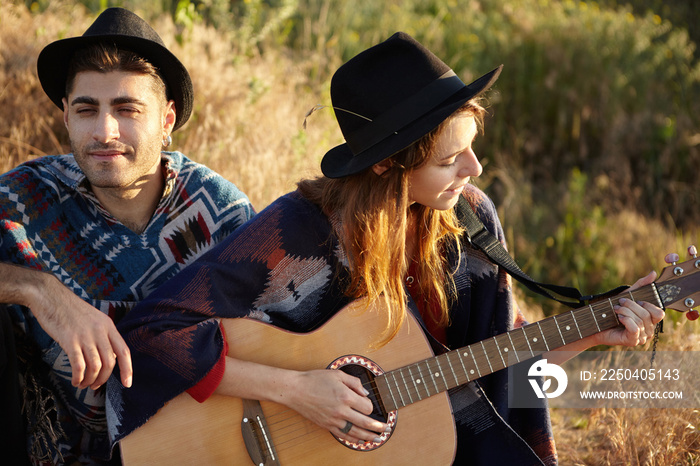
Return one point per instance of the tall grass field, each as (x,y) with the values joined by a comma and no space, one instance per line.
(591,148)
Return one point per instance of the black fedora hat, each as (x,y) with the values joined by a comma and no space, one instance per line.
(125,30)
(388,97)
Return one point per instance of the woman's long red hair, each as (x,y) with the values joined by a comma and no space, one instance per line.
(373,217)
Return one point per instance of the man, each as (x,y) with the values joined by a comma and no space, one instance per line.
(85,236)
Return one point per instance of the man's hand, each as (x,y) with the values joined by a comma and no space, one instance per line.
(89,337)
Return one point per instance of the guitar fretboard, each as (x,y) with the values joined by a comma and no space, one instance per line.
(417,381)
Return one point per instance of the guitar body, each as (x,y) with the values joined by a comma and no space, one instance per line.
(187,432)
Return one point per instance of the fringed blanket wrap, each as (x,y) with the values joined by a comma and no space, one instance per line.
(285,266)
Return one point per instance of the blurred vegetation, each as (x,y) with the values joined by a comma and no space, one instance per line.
(593,139)
(681,13)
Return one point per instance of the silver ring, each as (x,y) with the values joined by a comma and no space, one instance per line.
(348,426)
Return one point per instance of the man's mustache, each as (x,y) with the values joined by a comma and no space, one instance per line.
(109,146)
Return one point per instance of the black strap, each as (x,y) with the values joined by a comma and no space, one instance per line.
(479,237)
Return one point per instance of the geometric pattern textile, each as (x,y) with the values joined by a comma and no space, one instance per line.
(51,221)
(286,267)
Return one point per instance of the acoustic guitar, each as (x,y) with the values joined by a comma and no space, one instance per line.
(408,385)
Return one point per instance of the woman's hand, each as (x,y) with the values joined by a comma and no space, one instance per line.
(331,399)
(638,319)
(328,398)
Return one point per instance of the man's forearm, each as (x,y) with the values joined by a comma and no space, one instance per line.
(21,285)
(89,337)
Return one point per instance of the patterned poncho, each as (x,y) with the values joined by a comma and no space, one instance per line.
(51,221)
(286,267)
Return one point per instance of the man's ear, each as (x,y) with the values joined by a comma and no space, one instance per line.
(65,111)
(169,117)
(381,167)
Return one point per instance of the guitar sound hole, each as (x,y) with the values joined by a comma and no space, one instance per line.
(366,370)
(367,378)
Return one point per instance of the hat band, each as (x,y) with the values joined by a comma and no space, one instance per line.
(404,113)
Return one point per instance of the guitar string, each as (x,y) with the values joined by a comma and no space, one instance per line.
(586,321)
(292,432)
(293,429)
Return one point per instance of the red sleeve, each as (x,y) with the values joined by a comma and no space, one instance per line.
(205,388)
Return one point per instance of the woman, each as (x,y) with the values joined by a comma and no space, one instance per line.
(381,225)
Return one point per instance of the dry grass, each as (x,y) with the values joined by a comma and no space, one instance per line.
(633,436)
(630,436)
(247,121)
(604,437)
(247,126)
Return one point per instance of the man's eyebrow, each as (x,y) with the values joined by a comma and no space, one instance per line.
(126,100)
(84,100)
(116,101)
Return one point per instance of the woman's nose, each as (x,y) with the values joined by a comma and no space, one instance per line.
(470,165)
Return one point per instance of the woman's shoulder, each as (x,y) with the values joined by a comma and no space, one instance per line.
(290,215)
(479,202)
(293,205)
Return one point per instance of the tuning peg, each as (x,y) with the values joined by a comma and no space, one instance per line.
(672,258)
(693,251)
(692,314)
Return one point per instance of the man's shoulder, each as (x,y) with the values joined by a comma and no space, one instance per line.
(57,171)
(194,175)
(202,189)
(180,163)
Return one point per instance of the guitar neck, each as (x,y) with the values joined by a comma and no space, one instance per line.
(412,383)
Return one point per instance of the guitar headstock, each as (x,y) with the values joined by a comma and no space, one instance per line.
(679,284)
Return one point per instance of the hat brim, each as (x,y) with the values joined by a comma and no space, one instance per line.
(340,161)
(52,68)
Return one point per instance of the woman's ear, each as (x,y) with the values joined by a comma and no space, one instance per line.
(381,167)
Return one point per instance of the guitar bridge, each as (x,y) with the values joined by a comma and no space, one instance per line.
(256,435)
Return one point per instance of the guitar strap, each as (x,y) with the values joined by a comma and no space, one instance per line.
(479,237)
